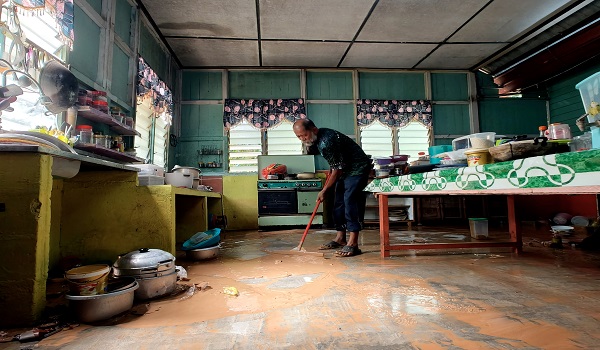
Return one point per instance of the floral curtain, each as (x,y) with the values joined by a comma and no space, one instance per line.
(262,114)
(393,113)
(61,10)
(150,86)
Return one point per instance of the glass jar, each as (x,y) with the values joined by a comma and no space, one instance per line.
(100,140)
(85,133)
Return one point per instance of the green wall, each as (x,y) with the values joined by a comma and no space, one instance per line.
(330,102)
(509,116)
(565,101)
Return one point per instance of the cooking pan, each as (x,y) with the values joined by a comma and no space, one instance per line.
(60,85)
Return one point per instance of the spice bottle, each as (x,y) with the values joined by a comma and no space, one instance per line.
(542,129)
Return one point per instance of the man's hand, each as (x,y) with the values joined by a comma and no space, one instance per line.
(321,196)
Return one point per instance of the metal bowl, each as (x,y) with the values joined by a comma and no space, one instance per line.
(204,253)
(92,308)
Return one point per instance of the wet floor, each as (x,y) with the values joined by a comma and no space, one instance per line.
(472,299)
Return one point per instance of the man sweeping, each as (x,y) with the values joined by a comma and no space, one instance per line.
(350,168)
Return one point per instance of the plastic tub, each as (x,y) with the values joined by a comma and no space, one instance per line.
(434,150)
(477,157)
(479,228)
(465,141)
(589,88)
(204,239)
(88,279)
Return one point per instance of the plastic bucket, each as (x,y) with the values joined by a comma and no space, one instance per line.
(478,157)
(479,228)
(88,279)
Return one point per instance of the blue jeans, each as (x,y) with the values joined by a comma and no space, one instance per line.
(349,203)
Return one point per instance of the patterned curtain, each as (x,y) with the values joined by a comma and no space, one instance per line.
(393,113)
(150,86)
(262,114)
(61,10)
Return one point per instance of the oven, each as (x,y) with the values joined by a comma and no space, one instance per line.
(288,202)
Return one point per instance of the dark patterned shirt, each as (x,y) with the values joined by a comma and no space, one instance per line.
(341,152)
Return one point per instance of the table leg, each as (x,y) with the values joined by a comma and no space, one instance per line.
(384,225)
(514,228)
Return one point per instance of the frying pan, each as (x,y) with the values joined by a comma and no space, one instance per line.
(60,85)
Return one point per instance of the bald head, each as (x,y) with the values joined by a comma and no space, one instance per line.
(306,131)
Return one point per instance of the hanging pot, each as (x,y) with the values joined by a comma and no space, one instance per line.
(60,85)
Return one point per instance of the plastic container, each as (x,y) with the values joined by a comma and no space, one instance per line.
(589,88)
(149,169)
(204,239)
(595,137)
(477,157)
(434,150)
(88,279)
(559,131)
(479,228)
(150,180)
(465,141)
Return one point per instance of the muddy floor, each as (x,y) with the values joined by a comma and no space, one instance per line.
(469,299)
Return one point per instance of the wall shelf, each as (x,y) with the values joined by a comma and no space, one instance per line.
(101,117)
(107,152)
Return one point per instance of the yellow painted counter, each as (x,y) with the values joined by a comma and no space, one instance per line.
(94,216)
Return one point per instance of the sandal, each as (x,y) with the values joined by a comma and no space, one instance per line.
(330,245)
(348,251)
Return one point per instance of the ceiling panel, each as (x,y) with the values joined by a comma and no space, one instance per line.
(215,53)
(507,19)
(417,20)
(374,55)
(214,18)
(458,56)
(312,19)
(302,54)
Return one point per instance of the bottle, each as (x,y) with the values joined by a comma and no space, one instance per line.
(542,129)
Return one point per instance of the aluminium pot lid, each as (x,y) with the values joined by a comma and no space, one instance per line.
(144,259)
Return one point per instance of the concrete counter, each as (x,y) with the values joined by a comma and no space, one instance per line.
(96,215)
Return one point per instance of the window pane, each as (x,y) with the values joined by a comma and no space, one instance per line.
(244,148)
(376,140)
(412,139)
(143,125)
(282,140)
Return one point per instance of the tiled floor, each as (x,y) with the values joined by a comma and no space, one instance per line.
(543,299)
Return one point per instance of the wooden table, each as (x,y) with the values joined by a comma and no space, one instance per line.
(561,174)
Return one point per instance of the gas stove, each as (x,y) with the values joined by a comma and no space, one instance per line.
(289,184)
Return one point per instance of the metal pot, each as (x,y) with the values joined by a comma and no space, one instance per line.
(187,170)
(156,286)
(144,262)
(92,308)
(203,253)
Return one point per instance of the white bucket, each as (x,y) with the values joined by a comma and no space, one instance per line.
(88,279)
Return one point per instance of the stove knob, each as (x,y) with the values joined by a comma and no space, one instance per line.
(297,184)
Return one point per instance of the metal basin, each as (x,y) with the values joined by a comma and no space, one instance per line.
(204,253)
(92,308)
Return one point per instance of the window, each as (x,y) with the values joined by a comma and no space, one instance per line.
(246,144)
(244,147)
(152,143)
(28,112)
(412,139)
(376,140)
(282,140)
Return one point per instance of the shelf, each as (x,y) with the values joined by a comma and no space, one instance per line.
(107,152)
(101,117)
